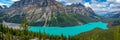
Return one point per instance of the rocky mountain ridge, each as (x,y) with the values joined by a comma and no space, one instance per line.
(49,13)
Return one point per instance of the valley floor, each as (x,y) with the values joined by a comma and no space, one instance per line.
(11,25)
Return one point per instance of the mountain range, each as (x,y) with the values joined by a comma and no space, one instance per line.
(115,14)
(48,13)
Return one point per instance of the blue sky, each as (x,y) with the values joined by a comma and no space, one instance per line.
(7,2)
(99,6)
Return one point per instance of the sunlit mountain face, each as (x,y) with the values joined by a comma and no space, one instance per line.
(100,7)
(49,13)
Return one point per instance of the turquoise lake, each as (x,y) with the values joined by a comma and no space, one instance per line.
(70,30)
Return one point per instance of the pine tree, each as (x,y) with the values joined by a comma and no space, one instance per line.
(44,36)
(62,37)
(117,33)
(24,24)
(7,36)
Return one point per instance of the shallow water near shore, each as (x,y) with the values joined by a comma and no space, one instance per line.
(70,30)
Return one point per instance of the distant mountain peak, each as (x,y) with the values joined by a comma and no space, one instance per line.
(3,7)
(76,5)
(114,14)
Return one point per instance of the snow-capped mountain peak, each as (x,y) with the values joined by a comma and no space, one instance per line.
(3,7)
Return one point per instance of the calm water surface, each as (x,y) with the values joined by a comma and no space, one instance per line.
(70,30)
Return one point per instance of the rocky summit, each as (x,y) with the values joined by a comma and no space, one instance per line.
(49,13)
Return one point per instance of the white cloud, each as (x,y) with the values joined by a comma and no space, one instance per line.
(2,4)
(118,1)
(68,3)
(15,0)
(110,0)
(87,5)
(114,5)
(105,7)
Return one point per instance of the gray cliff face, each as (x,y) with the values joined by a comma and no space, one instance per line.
(82,10)
(49,12)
